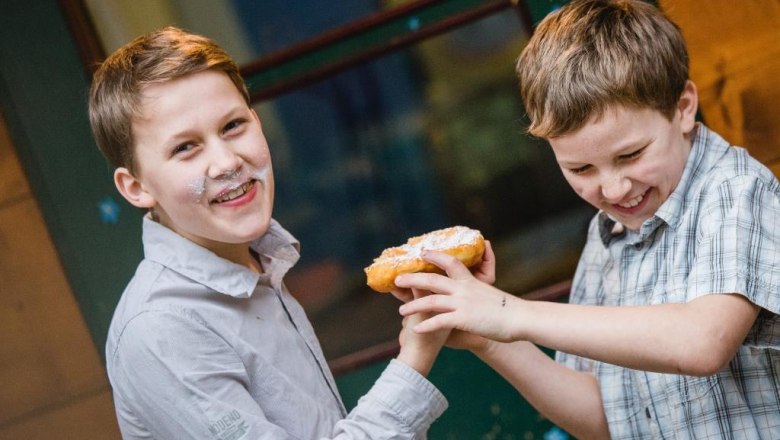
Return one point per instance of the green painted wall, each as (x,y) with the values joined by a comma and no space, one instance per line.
(482,405)
(43,90)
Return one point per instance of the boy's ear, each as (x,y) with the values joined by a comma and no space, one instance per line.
(132,189)
(687,106)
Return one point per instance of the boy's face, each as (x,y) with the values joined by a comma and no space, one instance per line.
(203,162)
(628,162)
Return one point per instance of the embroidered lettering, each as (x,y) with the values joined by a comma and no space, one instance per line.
(229,427)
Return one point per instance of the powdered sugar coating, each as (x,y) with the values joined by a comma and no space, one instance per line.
(463,243)
(433,241)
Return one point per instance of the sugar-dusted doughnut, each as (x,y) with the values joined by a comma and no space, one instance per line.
(466,244)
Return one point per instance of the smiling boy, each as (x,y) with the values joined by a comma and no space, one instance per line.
(206,342)
(206,171)
(628,161)
(672,327)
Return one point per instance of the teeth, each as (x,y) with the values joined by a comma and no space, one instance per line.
(235,193)
(633,202)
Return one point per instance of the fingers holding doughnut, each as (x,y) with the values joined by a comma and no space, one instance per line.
(406,295)
(431,282)
(459,243)
(451,265)
(486,271)
(403,295)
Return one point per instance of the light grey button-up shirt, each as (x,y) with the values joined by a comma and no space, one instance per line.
(202,348)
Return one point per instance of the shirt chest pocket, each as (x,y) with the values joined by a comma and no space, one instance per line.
(669,290)
(687,390)
(671,284)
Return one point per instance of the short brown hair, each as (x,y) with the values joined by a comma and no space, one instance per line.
(118,84)
(591,54)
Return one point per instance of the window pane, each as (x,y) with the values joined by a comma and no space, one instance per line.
(420,139)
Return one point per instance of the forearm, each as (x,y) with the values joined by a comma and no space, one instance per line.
(570,399)
(419,351)
(694,339)
(419,359)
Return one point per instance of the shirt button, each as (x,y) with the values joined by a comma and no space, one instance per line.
(647,412)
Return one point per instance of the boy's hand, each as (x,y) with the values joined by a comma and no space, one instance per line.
(419,350)
(457,339)
(486,271)
(403,295)
(460,300)
(461,340)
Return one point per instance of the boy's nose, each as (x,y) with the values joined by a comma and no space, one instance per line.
(614,187)
(224,162)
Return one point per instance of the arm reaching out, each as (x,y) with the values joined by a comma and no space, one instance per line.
(696,338)
(569,398)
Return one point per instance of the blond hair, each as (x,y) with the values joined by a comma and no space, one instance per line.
(118,83)
(591,54)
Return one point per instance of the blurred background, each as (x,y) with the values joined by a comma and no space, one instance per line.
(385,119)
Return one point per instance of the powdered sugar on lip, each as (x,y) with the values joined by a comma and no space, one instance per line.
(235,194)
(235,179)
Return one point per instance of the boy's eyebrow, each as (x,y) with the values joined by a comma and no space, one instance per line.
(190,131)
(631,145)
(179,136)
(567,164)
(627,147)
(636,144)
(238,108)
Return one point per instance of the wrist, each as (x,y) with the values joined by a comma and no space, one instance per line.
(420,360)
(516,317)
(484,348)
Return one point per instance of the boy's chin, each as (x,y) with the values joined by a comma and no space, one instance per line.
(631,224)
(239,235)
(256,232)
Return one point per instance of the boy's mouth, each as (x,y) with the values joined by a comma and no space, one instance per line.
(633,202)
(632,206)
(234,193)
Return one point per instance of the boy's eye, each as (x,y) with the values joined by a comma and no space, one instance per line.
(182,148)
(579,170)
(233,125)
(632,155)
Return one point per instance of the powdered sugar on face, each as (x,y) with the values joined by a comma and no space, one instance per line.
(197,188)
(205,186)
(261,174)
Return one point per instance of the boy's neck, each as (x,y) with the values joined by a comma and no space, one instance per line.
(242,255)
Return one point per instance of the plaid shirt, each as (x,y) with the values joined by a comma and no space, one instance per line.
(719,232)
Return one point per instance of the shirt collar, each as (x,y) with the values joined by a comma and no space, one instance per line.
(609,228)
(670,212)
(277,249)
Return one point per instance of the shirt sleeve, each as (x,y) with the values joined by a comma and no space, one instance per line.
(402,404)
(738,243)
